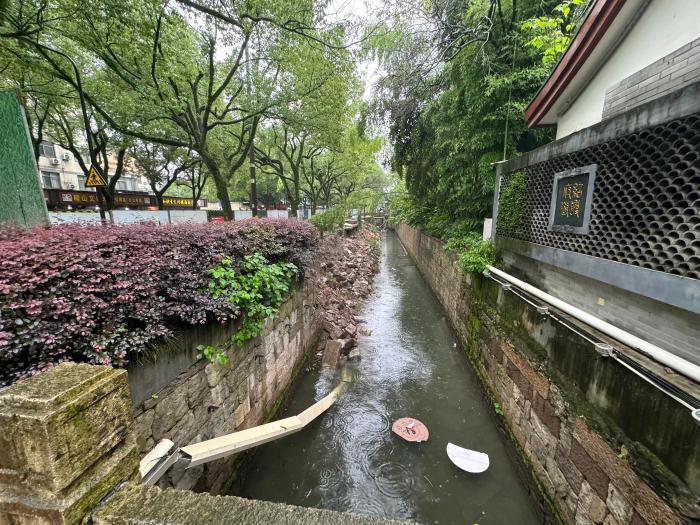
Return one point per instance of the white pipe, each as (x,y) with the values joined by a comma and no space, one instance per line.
(659,355)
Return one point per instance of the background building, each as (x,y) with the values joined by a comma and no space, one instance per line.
(60,170)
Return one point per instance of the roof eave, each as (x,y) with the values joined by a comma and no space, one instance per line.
(598,20)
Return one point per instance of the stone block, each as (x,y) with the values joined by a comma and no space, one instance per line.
(214,373)
(219,394)
(546,413)
(332,352)
(184,431)
(610,520)
(134,503)
(169,410)
(590,505)
(241,412)
(142,428)
(618,506)
(561,485)
(67,439)
(197,387)
(570,471)
(647,504)
(590,469)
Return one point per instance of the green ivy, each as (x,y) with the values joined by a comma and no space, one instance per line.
(213,354)
(474,254)
(512,204)
(258,288)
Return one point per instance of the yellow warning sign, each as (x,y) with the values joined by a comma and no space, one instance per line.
(94,178)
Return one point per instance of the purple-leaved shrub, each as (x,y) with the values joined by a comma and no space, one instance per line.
(102,294)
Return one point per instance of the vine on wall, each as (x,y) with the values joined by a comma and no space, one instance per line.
(512,203)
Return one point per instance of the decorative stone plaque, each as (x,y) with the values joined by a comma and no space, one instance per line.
(572,193)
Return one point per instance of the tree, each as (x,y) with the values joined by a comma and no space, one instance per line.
(162,166)
(194,177)
(287,149)
(172,76)
(463,111)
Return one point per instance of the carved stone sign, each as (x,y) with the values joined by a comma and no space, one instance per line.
(572,193)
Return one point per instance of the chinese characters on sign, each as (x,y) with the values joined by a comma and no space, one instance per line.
(572,194)
(571,200)
(177,201)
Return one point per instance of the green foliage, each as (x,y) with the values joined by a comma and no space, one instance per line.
(474,254)
(328,220)
(213,354)
(512,202)
(551,34)
(447,128)
(258,289)
(443,226)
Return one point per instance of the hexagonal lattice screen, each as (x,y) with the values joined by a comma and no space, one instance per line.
(646,201)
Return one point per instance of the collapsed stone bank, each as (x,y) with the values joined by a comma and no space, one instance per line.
(187,401)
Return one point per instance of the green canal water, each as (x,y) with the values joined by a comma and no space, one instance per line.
(349,460)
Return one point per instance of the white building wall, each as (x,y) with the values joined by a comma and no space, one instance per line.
(664,26)
(69,171)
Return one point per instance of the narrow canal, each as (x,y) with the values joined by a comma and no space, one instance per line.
(350,460)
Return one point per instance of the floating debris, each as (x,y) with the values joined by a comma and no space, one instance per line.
(468,460)
(410,429)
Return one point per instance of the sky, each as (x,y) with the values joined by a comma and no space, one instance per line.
(356,11)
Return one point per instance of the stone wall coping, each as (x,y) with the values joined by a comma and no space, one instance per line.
(137,504)
(53,388)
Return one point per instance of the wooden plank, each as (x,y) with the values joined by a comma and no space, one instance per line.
(222,446)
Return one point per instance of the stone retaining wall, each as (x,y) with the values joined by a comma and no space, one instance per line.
(207,400)
(68,456)
(588,469)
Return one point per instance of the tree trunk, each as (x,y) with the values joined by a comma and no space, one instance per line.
(314,204)
(108,194)
(295,200)
(221,187)
(159,200)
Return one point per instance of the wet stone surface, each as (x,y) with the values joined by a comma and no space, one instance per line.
(349,459)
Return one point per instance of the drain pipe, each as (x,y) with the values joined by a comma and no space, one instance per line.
(675,363)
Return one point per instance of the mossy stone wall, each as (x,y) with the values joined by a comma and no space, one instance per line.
(593,433)
(66,441)
(199,400)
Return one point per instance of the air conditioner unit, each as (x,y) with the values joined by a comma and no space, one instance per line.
(66,156)
(55,161)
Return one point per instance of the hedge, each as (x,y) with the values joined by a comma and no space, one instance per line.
(102,294)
